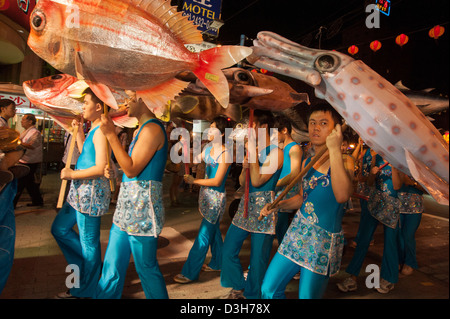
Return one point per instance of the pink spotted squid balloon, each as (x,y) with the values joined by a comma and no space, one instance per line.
(382,116)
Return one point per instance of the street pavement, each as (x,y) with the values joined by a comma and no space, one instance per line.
(39,270)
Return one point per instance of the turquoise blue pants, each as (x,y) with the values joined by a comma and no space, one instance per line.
(364,214)
(409,223)
(7,231)
(208,235)
(82,249)
(389,263)
(232,274)
(280,272)
(117,257)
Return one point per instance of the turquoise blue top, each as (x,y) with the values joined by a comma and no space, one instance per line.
(319,204)
(286,169)
(383,180)
(154,170)
(211,169)
(367,160)
(272,182)
(87,155)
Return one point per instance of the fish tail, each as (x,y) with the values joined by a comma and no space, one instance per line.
(212,61)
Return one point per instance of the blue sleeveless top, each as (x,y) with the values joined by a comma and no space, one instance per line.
(272,182)
(211,169)
(319,204)
(87,155)
(154,170)
(286,169)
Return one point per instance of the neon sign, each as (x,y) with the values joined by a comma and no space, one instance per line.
(384,6)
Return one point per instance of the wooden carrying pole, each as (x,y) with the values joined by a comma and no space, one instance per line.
(62,190)
(298,177)
(247,173)
(112,184)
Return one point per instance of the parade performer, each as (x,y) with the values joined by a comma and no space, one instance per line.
(292,155)
(383,206)
(263,178)
(411,208)
(212,200)
(88,199)
(313,244)
(139,215)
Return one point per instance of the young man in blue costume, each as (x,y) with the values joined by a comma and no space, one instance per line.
(139,215)
(313,244)
(292,154)
(88,199)
(264,174)
(212,200)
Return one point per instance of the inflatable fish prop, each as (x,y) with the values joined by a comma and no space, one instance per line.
(133,45)
(61,96)
(382,116)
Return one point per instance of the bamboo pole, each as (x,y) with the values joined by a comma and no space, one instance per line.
(247,173)
(62,190)
(112,184)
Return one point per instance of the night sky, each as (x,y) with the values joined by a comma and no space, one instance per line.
(420,64)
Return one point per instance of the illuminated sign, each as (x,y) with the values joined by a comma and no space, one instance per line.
(384,6)
(202,13)
(20,100)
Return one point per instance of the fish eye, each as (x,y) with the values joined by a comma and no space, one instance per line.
(242,77)
(38,20)
(56,77)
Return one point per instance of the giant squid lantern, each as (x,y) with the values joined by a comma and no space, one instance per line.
(402,39)
(436,32)
(353,49)
(375,45)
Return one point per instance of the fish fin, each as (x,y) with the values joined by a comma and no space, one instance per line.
(125,121)
(186,31)
(100,90)
(186,103)
(76,90)
(157,98)
(399,85)
(301,97)
(103,93)
(437,187)
(234,112)
(209,71)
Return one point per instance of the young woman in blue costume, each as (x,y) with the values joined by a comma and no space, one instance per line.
(212,200)
(88,200)
(314,242)
(383,206)
(139,215)
(264,175)
(292,155)
(409,193)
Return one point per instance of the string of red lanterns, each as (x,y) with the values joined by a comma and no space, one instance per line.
(435,32)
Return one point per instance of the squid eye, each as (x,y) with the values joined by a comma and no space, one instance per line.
(327,63)
(38,20)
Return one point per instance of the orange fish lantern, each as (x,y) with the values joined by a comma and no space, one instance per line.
(375,45)
(353,49)
(436,32)
(402,39)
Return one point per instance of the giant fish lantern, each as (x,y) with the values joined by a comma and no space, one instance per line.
(60,96)
(133,45)
(383,117)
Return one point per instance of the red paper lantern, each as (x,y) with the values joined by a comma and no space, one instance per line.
(402,39)
(375,45)
(436,31)
(353,49)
